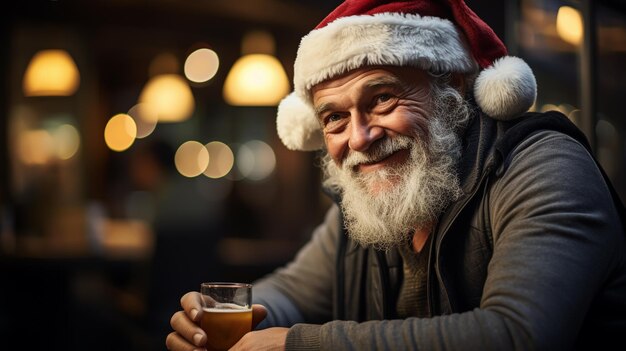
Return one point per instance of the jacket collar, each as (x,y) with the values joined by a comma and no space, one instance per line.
(477,160)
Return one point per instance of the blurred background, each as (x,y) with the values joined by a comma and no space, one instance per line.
(139,156)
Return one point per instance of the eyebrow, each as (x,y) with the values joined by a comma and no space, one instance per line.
(384,81)
(371,85)
(323,108)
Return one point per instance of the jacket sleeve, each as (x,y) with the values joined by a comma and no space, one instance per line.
(302,291)
(556,235)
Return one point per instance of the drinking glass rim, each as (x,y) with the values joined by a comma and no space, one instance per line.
(225,285)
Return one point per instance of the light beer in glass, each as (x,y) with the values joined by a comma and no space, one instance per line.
(227,313)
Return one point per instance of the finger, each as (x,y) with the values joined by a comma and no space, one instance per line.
(259,312)
(187,329)
(175,342)
(191,302)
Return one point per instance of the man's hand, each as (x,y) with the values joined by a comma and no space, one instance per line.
(271,339)
(187,333)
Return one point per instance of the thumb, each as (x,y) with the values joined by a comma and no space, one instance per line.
(259,312)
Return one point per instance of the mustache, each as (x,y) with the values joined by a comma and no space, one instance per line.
(378,151)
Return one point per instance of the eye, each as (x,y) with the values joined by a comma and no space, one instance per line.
(334,122)
(382,98)
(333,117)
(384,102)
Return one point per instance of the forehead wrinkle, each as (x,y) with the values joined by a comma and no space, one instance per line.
(377,82)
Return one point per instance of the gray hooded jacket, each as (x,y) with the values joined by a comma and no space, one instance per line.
(531,257)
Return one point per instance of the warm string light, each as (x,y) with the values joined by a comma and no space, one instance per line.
(569,25)
(201,65)
(167,97)
(255,160)
(120,132)
(42,146)
(221,160)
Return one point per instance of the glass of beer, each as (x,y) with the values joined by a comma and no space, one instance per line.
(227,313)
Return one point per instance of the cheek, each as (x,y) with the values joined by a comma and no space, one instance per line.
(411,122)
(336,146)
(419,127)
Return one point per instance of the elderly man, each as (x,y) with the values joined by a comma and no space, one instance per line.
(461,221)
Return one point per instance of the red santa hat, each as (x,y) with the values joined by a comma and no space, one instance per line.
(439,36)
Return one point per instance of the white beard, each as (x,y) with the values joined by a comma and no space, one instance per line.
(415,193)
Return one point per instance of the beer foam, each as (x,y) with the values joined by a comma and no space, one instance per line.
(226,307)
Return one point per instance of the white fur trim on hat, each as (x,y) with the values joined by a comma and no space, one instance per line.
(503,90)
(297,125)
(506,88)
(396,39)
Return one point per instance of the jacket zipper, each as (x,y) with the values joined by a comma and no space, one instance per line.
(383,270)
(444,289)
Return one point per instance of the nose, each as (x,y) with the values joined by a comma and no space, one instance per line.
(363,133)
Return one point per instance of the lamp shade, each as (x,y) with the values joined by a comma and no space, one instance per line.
(170,96)
(51,73)
(256,80)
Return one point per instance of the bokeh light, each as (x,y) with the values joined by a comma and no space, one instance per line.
(145,117)
(66,141)
(51,73)
(569,25)
(35,147)
(120,132)
(191,159)
(163,63)
(171,96)
(606,133)
(221,159)
(255,160)
(256,80)
(549,107)
(201,65)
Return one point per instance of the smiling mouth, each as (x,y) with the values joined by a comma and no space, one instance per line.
(366,163)
(392,159)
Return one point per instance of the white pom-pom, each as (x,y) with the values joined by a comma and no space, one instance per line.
(297,125)
(506,89)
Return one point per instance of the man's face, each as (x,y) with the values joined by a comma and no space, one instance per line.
(367,105)
(392,149)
